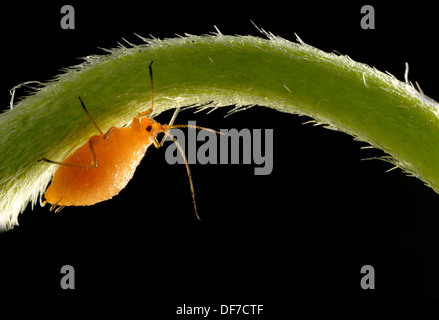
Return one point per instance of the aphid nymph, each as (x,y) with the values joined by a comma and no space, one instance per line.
(104,165)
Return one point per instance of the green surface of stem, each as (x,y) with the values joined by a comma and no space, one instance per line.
(230,70)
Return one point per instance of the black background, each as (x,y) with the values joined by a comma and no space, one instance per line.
(302,232)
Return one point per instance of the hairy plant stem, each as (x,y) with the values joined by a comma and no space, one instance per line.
(229,70)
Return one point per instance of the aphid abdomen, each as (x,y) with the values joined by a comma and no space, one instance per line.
(117,158)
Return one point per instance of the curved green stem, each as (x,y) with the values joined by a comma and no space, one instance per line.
(229,70)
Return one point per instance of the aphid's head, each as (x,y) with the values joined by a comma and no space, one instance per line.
(147,126)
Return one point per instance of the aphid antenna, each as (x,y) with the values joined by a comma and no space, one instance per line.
(195,127)
(187,170)
(148,112)
(152,84)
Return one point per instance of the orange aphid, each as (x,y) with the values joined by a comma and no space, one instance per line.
(103,166)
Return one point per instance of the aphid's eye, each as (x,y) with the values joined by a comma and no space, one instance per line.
(148,128)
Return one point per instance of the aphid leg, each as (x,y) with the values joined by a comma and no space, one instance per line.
(59,209)
(167,127)
(94,163)
(156,143)
(55,205)
(91,118)
(107,134)
(145,113)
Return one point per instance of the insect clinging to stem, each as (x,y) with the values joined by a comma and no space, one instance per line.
(104,165)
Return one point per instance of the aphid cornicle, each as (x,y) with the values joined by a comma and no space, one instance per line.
(104,165)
